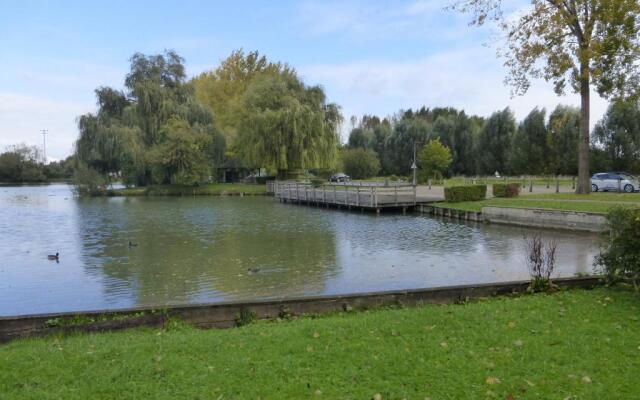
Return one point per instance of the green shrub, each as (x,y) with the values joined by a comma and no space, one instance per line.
(465,193)
(316,182)
(360,163)
(506,189)
(620,259)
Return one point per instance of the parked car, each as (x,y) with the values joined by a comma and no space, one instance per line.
(614,181)
(339,177)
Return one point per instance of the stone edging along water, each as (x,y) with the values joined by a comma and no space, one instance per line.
(530,217)
(225,315)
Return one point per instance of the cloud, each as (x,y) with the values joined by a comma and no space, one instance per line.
(366,20)
(23,117)
(471,79)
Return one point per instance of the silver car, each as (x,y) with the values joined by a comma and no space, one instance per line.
(614,181)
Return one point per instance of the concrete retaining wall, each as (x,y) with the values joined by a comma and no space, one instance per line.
(555,219)
(451,213)
(224,315)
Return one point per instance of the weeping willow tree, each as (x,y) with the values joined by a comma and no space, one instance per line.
(132,133)
(287,126)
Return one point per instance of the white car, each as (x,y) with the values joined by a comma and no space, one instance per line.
(614,181)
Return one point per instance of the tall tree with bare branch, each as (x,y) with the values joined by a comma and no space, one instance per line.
(571,43)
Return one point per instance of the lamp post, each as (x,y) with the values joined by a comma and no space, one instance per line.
(414,166)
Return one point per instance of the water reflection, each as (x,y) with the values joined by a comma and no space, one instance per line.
(206,249)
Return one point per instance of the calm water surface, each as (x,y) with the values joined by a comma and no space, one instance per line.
(193,250)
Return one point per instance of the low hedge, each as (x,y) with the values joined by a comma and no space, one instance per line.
(506,189)
(465,193)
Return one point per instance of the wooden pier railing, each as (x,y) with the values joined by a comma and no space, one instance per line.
(369,197)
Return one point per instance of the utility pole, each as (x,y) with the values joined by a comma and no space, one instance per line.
(414,166)
(44,146)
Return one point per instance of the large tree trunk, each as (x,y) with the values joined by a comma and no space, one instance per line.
(584,177)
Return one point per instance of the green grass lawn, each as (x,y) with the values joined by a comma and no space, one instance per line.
(570,345)
(537,180)
(593,203)
(212,189)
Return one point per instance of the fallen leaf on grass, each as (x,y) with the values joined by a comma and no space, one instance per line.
(586,379)
(444,344)
(492,380)
(377,396)
(316,335)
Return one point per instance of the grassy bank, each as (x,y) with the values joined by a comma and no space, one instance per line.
(565,181)
(594,203)
(577,344)
(212,189)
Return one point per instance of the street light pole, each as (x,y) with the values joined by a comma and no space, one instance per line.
(44,146)
(414,166)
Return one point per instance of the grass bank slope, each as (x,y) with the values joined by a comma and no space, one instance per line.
(576,345)
(599,203)
(212,189)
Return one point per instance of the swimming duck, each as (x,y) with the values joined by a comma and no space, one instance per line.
(253,270)
(54,256)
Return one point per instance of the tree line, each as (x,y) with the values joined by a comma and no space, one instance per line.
(247,113)
(541,144)
(23,164)
(251,113)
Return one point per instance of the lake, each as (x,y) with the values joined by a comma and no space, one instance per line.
(206,249)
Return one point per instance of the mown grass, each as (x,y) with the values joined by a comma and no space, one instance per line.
(537,180)
(212,189)
(599,203)
(570,345)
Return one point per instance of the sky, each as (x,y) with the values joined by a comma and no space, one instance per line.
(371,57)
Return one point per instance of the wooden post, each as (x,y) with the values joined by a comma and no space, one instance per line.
(530,184)
(346,194)
(573,182)
(415,194)
(548,179)
(376,196)
(429,183)
(396,193)
(557,184)
(371,196)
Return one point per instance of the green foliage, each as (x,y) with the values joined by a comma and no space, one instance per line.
(181,158)
(465,193)
(21,163)
(88,181)
(287,126)
(563,133)
(245,317)
(494,142)
(506,189)
(433,160)
(154,133)
(577,44)
(620,259)
(618,135)
(359,163)
(530,149)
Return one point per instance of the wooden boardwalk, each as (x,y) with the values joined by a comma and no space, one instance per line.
(374,197)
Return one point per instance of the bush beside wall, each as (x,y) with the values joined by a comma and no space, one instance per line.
(465,193)
(506,189)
